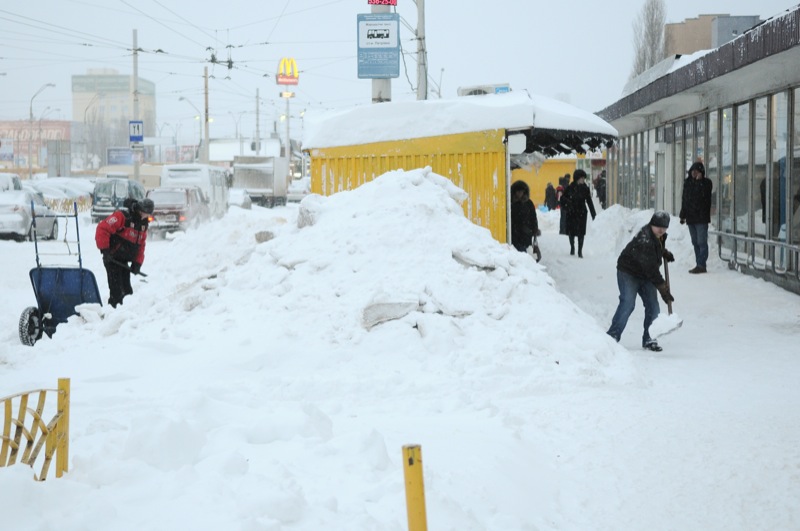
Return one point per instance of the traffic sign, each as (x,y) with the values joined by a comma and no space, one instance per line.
(136,130)
(378,45)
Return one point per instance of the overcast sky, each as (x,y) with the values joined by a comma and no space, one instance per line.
(580,52)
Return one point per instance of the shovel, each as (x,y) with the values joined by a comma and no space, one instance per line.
(665,324)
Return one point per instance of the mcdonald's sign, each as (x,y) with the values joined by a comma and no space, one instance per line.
(287,72)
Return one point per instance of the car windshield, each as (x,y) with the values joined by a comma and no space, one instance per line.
(15,198)
(104,189)
(167,197)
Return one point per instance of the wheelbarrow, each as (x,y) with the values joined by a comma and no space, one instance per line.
(58,289)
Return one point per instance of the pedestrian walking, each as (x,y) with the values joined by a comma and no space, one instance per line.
(575,201)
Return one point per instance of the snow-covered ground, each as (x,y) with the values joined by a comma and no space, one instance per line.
(256,386)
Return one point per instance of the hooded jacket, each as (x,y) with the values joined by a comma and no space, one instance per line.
(524,223)
(123,236)
(696,198)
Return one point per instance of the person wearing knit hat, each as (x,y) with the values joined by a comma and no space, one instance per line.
(696,212)
(638,273)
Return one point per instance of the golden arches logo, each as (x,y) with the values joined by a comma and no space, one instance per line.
(287,72)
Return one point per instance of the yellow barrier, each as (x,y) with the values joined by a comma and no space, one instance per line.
(29,424)
(415,489)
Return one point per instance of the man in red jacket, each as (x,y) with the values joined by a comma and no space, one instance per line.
(121,239)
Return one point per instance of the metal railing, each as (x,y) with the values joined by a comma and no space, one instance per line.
(775,257)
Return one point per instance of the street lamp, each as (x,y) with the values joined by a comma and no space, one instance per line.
(197,117)
(236,121)
(30,128)
(47,110)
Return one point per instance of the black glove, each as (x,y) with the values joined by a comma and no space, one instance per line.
(683,221)
(136,268)
(663,289)
(668,256)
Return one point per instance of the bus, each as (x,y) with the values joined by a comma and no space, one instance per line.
(212,180)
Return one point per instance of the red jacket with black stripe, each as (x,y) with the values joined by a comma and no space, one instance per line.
(123,236)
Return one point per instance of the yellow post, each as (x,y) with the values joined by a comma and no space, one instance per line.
(415,489)
(62,429)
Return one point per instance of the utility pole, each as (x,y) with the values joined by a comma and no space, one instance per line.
(381,88)
(258,137)
(135,100)
(422,53)
(205,126)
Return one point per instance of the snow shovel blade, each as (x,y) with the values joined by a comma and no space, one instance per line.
(665,324)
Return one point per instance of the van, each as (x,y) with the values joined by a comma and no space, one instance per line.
(109,195)
(10,181)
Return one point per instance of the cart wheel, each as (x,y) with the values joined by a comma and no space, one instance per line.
(30,326)
(54,230)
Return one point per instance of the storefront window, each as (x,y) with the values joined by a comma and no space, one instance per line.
(758,202)
(793,186)
(777,146)
(741,173)
(678,170)
(726,171)
(712,160)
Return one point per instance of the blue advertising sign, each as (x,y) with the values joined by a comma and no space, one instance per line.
(136,130)
(119,155)
(378,45)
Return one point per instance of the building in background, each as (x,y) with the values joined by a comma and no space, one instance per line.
(704,32)
(102,107)
(736,109)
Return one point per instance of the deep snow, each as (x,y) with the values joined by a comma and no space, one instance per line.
(244,386)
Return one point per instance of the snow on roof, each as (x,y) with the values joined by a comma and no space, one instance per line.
(419,119)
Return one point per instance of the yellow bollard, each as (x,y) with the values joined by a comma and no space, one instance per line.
(415,489)
(62,438)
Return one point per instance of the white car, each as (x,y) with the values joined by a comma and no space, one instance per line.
(238,197)
(298,189)
(16,220)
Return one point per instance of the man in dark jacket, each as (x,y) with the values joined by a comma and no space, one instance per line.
(696,212)
(524,223)
(550,198)
(638,273)
(121,239)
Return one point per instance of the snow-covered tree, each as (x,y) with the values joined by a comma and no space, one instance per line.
(648,36)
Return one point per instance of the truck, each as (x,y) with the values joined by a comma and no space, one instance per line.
(264,179)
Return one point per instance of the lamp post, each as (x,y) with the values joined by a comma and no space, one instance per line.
(236,121)
(30,128)
(197,117)
(47,110)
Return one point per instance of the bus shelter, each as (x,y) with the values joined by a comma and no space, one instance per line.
(475,141)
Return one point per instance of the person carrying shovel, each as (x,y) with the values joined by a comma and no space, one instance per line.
(121,238)
(638,274)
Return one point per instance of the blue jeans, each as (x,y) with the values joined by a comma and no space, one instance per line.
(699,234)
(629,287)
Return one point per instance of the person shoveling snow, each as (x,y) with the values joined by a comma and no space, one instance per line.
(638,273)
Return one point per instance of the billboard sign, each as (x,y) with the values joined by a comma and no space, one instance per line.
(378,45)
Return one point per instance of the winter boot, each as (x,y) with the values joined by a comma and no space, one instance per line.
(652,345)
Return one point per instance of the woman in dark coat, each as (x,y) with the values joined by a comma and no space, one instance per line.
(524,224)
(577,198)
(550,197)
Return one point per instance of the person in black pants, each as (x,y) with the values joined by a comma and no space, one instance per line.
(121,238)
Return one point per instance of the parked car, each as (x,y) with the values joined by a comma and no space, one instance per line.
(16,219)
(10,181)
(110,193)
(298,189)
(177,209)
(240,198)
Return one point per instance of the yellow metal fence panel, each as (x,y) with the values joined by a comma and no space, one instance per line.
(475,162)
(32,432)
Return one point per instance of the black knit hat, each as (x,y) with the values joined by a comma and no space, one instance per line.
(660,219)
(578,174)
